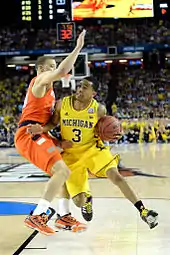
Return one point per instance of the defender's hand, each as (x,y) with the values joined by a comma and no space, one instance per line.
(80,40)
(35,129)
(65,144)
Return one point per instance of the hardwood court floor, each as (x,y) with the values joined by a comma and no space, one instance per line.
(116,227)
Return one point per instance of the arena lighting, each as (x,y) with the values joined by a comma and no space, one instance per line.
(122,61)
(11,65)
(21,57)
(165,5)
(89,62)
(31,64)
(141,60)
(108,61)
(60,11)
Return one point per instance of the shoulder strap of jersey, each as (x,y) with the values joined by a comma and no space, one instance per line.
(32,82)
(95,105)
(66,102)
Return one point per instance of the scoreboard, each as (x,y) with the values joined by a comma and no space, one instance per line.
(26,10)
(45,11)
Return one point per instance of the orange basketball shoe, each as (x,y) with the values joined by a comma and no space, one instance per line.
(67,222)
(39,223)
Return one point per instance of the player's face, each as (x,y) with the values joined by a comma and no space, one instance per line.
(49,65)
(85,91)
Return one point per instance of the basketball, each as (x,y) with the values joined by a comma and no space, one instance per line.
(108,127)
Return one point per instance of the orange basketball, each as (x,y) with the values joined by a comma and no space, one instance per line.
(108,127)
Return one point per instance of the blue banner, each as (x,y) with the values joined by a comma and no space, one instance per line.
(89,50)
(142,47)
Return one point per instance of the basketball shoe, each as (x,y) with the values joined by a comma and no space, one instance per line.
(39,223)
(68,222)
(150,217)
(87,209)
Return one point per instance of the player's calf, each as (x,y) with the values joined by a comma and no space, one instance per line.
(80,199)
(149,216)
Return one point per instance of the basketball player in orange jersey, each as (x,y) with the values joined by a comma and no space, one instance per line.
(40,149)
(78,115)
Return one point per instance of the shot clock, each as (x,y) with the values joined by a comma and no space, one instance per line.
(66,31)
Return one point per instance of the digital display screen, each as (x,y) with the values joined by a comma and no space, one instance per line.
(45,10)
(112,9)
(135,62)
(100,64)
(163,8)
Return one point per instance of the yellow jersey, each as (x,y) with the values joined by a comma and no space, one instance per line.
(78,126)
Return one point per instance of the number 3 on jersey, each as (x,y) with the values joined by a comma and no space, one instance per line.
(77,135)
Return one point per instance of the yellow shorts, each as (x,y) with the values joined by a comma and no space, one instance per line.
(95,160)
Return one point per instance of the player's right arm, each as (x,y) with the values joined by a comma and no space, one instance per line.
(44,79)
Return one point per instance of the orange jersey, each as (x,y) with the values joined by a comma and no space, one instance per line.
(38,109)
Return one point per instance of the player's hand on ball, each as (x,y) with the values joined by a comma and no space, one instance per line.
(116,137)
(35,129)
(80,40)
(65,144)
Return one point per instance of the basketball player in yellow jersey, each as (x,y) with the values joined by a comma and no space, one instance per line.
(78,116)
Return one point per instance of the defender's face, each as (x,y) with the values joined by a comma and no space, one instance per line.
(85,91)
(49,65)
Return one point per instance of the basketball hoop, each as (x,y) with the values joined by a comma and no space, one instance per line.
(66,81)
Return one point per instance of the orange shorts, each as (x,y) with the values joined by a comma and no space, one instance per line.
(42,152)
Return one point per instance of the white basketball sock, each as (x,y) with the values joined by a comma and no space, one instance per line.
(42,207)
(63,206)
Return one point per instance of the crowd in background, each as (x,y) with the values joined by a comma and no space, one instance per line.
(141,130)
(142,93)
(142,104)
(142,97)
(103,35)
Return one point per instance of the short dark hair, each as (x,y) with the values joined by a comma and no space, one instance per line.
(94,81)
(41,60)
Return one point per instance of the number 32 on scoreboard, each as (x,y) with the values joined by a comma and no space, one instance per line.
(66,31)
(66,34)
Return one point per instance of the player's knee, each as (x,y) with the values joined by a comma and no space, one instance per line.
(60,167)
(79,200)
(114,175)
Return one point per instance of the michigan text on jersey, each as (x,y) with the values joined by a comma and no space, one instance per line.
(77,123)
